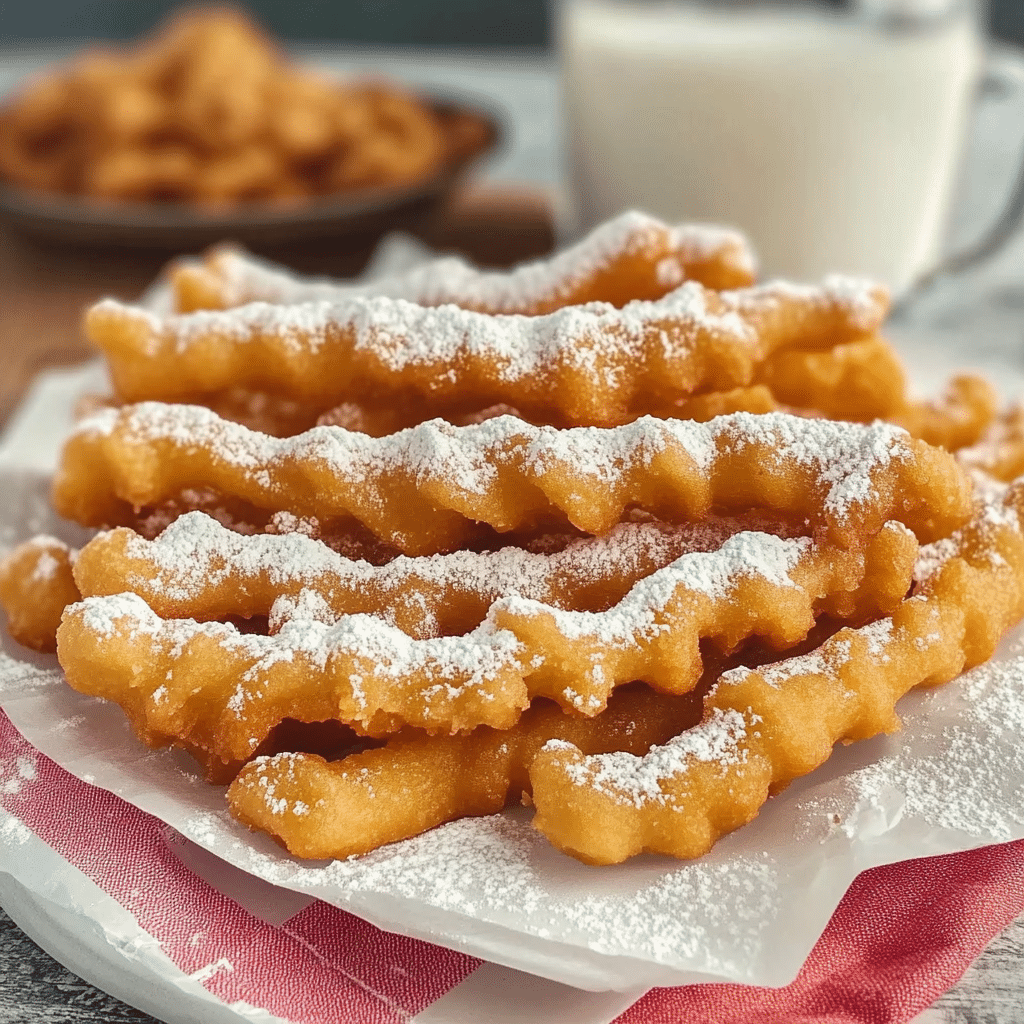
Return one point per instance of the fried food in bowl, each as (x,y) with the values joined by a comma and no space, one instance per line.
(210,114)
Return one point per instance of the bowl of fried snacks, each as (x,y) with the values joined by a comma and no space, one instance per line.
(206,131)
(621,534)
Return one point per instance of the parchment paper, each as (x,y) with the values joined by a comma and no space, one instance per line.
(750,911)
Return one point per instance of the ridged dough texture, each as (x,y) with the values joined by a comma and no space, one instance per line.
(223,691)
(857,381)
(630,257)
(199,569)
(428,489)
(764,727)
(341,808)
(591,365)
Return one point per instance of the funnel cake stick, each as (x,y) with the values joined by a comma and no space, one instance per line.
(858,381)
(425,489)
(959,418)
(344,808)
(590,364)
(197,568)
(221,690)
(631,257)
(201,570)
(861,380)
(764,727)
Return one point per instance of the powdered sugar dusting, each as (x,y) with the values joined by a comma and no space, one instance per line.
(991,513)
(284,763)
(641,780)
(605,345)
(101,615)
(45,567)
(711,574)
(961,786)
(436,671)
(596,338)
(825,661)
(452,280)
(195,554)
(306,628)
(842,457)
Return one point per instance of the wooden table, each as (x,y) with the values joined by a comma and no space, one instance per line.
(45,288)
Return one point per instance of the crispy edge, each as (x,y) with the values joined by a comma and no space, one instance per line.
(36,584)
(764,727)
(207,685)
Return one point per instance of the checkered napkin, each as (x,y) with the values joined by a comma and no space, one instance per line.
(902,935)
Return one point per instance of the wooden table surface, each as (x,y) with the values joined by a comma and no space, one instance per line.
(43,291)
(45,288)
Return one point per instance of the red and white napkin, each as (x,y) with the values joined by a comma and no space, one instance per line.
(903,934)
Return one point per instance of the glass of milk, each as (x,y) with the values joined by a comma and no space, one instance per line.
(830,132)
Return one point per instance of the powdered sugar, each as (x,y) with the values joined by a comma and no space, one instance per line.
(641,780)
(278,805)
(992,513)
(195,554)
(932,557)
(851,292)
(840,457)
(45,568)
(451,280)
(843,458)
(453,667)
(826,661)
(16,772)
(714,575)
(596,344)
(101,615)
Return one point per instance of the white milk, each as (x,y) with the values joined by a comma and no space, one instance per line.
(833,143)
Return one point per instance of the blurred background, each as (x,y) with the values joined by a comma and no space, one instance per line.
(869,152)
(471,23)
(490,23)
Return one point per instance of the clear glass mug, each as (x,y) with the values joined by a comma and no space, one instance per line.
(831,133)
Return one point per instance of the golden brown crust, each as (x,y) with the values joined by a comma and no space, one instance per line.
(318,808)
(957,419)
(631,257)
(764,727)
(427,489)
(36,583)
(583,365)
(860,381)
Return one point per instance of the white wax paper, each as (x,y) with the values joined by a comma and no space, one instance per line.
(750,911)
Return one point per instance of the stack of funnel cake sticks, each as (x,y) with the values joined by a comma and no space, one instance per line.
(622,534)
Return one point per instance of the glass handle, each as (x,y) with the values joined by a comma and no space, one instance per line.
(1004,73)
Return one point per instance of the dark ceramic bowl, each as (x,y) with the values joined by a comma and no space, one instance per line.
(176,226)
